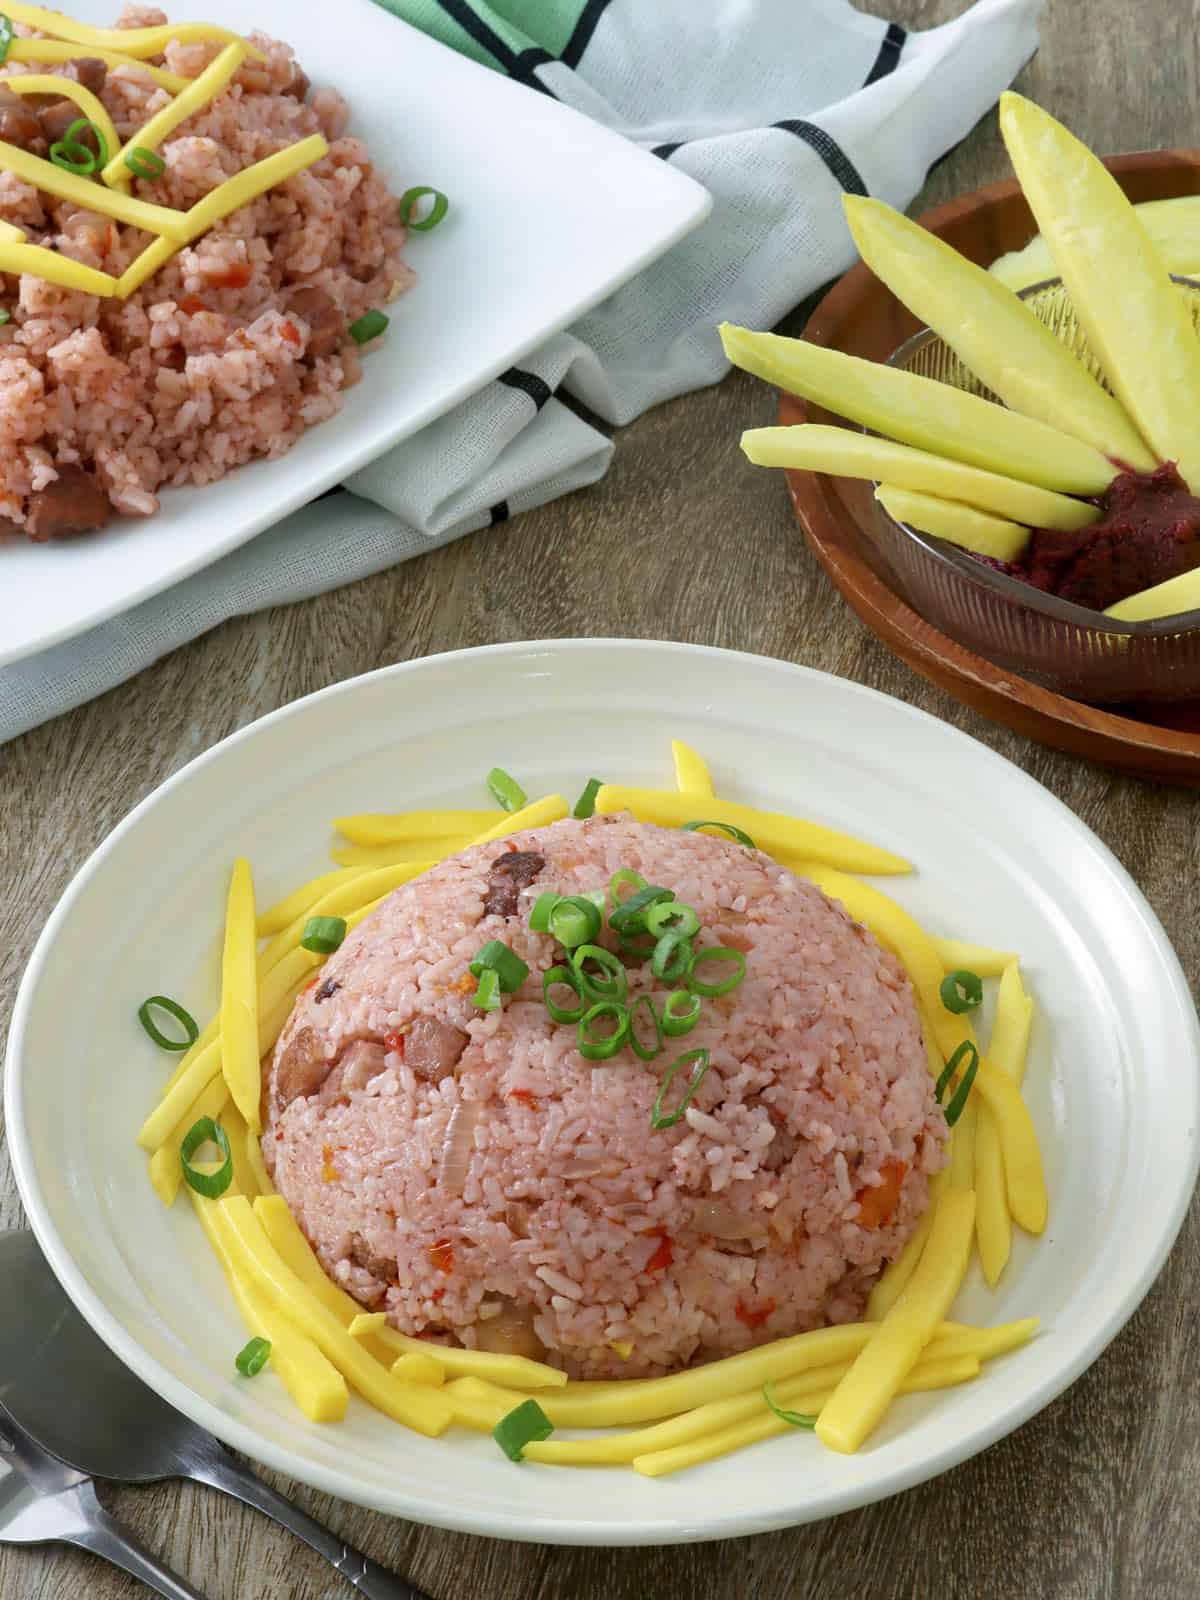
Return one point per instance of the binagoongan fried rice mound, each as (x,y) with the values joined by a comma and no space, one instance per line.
(472,1175)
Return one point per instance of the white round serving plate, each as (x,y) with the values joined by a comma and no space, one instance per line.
(1112,1081)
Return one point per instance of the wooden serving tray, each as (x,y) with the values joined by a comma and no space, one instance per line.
(859,315)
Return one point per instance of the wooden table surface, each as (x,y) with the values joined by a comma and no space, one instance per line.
(1096,1498)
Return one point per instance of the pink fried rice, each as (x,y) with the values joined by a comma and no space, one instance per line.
(520,1199)
(205,367)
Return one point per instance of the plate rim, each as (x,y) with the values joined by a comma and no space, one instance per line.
(532,1527)
(695,203)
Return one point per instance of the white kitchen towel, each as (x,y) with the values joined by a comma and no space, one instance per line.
(776,106)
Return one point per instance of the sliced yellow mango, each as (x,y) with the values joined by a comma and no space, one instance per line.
(91,196)
(350,894)
(897,1273)
(426,851)
(385,828)
(1167,599)
(417,1406)
(550,808)
(90,105)
(194,98)
(980,531)
(691,770)
(1007,1050)
(55,268)
(58,50)
(239,998)
(275,918)
(858,1403)
(922,412)
(313,1382)
(135,42)
(1173,227)
(252,181)
(770,830)
(166,1164)
(815,447)
(995,334)
(980,959)
(1136,322)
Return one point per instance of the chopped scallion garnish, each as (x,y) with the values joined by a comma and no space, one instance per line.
(323,935)
(585,806)
(610,982)
(162,1002)
(253,1357)
(726,827)
(209,1184)
(594,1046)
(966,1051)
(724,956)
(961,991)
(487,996)
(5,316)
(369,326)
(643,1051)
(409,201)
(659,1120)
(539,917)
(495,956)
(681,1012)
(145,163)
(671,916)
(506,791)
(672,956)
(575,920)
(567,978)
(6,37)
(629,916)
(72,155)
(625,878)
(525,1424)
(794,1419)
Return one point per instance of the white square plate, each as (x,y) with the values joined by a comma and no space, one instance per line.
(550,213)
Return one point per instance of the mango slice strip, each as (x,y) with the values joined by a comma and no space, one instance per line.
(980,531)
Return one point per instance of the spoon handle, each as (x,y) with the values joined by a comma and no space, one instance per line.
(367,1576)
(106,1537)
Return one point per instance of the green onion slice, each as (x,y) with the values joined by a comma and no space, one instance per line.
(506,791)
(629,916)
(961,991)
(569,979)
(323,935)
(411,198)
(369,326)
(595,1046)
(575,920)
(6,37)
(620,879)
(487,996)
(671,916)
(524,1425)
(5,316)
(659,1119)
(539,917)
(185,1019)
(495,956)
(253,1357)
(145,163)
(585,806)
(794,1419)
(725,827)
(954,1110)
(611,982)
(724,956)
(672,957)
(645,1052)
(74,156)
(209,1184)
(681,1012)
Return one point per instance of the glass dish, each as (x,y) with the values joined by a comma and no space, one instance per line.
(1064,647)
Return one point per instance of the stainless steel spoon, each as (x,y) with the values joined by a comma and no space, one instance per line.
(69,1391)
(44,1501)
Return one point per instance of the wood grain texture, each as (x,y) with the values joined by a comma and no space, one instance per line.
(1096,1499)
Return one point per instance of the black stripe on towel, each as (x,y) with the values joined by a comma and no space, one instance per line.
(664,152)
(581,35)
(517,66)
(498,513)
(888,58)
(536,388)
(830,152)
